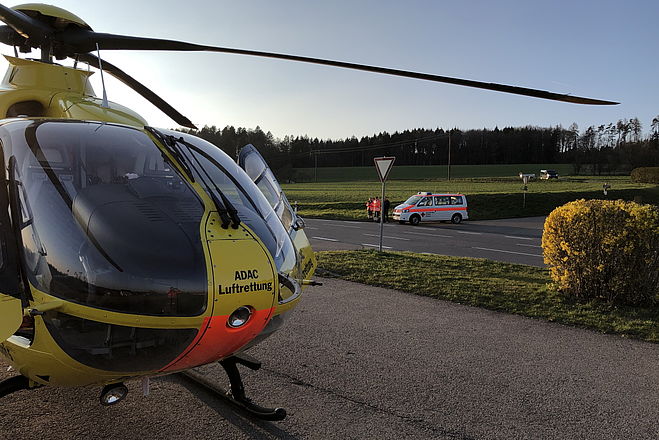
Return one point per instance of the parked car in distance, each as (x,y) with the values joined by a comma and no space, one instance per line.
(427,206)
(548,174)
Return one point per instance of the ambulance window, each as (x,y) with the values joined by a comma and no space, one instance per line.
(456,200)
(426,201)
(441,200)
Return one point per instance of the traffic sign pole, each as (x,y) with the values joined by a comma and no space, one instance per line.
(383,166)
(384,183)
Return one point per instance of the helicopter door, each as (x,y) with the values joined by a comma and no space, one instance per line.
(250,160)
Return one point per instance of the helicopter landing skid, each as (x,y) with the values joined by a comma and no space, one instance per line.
(13,384)
(236,393)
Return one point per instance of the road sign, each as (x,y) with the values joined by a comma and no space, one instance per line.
(525,178)
(383,166)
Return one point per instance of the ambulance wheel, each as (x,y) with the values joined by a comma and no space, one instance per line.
(415,220)
(457,218)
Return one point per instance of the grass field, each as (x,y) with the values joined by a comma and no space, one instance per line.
(404,172)
(510,288)
(489,198)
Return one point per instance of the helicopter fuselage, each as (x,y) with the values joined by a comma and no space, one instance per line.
(116,242)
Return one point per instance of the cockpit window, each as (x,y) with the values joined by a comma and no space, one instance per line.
(106,221)
(256,168)
(253,208)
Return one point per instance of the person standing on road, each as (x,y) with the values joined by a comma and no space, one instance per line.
(376,209)
(385,210)
(369,208)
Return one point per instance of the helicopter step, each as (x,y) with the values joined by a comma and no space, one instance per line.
(236,393)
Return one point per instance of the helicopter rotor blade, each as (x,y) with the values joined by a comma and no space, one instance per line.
(140,88)
(81,40)
(25,25)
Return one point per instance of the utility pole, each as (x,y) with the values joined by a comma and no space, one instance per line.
(315,167)
(449,156)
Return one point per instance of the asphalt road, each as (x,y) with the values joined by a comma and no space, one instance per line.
(359,362)
(509,240)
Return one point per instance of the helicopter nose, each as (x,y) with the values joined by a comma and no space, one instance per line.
(219,340)
(245,286)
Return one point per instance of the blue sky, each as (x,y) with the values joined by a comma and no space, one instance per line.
(600,49)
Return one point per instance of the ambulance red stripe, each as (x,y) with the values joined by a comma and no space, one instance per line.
(457,208)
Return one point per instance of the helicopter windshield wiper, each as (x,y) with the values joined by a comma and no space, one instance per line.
(230,209)
(169,142)
(227,212)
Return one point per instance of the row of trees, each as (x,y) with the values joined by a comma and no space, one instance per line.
(611,148)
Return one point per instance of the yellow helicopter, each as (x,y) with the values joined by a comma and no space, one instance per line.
(129,251)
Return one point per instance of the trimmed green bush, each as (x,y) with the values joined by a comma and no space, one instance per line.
(601,249)
(645,175)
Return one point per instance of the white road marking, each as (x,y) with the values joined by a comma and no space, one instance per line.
(470,233)
(518,238)
(375,245)
(346,224)
(428,235)
(324,238)
(337,221)
(508,252)
(309,227)
(529,245)
(387,236)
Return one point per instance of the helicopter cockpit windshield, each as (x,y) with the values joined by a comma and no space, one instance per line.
(220,175)
(105,220)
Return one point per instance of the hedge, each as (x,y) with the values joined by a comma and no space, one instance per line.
(645,175)
(601,249)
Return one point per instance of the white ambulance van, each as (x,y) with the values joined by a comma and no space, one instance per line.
(427,206)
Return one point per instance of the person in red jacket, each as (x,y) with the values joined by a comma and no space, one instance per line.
(376,209)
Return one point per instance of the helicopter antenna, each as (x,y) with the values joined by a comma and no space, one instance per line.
(104,104)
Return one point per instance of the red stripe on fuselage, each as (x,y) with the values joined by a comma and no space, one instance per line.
(216,340)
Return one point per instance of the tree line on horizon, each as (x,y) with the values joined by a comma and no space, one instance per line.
(613,148)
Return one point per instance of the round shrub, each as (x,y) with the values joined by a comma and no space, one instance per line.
(601,249)
(645,175)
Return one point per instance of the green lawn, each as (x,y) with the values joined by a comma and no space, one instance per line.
(511,288)
(424,172)
(489,198)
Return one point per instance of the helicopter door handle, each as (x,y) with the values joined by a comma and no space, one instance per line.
(291,285)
